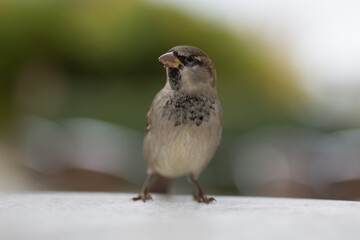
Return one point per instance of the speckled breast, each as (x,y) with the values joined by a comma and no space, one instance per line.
(186,137)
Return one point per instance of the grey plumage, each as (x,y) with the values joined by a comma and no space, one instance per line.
(184,123)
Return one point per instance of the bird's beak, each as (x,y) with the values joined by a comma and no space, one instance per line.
(170,60)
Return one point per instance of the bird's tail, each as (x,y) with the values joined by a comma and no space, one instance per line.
(160,184)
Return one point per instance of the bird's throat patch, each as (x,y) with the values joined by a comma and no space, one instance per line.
(174,78)
(183,109)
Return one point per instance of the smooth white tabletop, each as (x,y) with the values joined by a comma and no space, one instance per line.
(87,216)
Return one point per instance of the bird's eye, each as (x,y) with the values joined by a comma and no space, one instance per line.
(190,58)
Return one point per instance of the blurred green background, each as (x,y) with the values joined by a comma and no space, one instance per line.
(77,79)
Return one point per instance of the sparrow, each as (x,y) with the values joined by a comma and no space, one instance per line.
(184,123)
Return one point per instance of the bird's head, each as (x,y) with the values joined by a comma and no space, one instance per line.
(189,70)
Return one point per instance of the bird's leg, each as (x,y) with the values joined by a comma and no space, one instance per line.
(144,195)
(200,196)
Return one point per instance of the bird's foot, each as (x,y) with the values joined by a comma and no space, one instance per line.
(202,198)
(143,197)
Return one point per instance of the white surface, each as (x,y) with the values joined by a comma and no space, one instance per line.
(114,216)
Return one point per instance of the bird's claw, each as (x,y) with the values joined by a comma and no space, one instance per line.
(201,198)
(143,197)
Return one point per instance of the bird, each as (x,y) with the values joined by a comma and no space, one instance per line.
(184,123)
